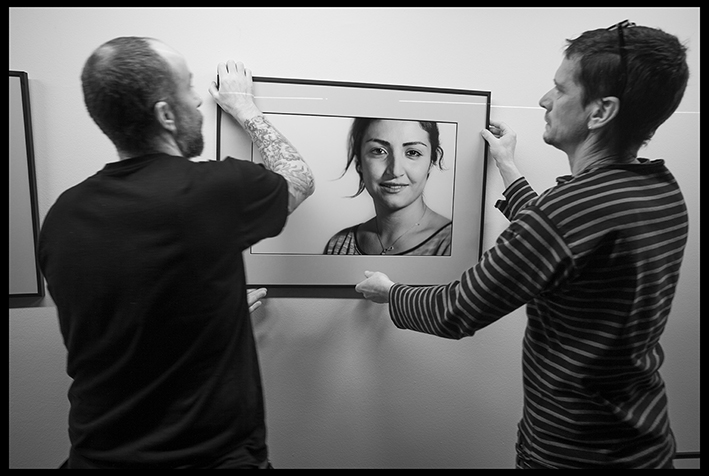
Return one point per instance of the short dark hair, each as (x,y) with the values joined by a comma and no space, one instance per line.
(356,136)
(122,80)
(656,78)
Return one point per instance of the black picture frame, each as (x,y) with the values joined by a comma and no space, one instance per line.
(292,104)
(25,276)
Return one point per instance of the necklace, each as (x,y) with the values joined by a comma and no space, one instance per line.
(387,249)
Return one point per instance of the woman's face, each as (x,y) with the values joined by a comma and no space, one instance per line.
(395,160)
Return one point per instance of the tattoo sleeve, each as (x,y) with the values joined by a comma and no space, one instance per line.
(281,157)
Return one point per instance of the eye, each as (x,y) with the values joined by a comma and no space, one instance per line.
(378,151)
(414,154)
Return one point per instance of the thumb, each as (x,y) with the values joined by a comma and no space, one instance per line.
(213,89)
(487,135)
(368,274)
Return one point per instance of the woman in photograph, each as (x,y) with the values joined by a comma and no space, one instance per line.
(394,159)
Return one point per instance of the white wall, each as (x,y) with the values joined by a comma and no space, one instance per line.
(344,388)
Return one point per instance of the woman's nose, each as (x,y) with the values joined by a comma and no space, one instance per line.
(395,166)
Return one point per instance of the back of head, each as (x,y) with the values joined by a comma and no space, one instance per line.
(645,68)
(122,80)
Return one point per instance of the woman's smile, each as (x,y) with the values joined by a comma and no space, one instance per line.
(393,187)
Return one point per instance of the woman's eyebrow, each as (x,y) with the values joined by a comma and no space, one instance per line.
(379,141)
(406,144)
(387,144)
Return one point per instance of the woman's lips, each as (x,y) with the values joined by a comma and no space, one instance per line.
(393,187)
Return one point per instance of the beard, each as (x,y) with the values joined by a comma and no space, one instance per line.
(189,133)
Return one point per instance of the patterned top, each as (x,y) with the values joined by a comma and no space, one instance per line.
(344,242)
(597,260)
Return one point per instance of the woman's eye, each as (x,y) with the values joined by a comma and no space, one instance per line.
(413,153)
(378,151)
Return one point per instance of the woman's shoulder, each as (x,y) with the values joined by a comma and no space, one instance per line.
(344,242)
(438,243)
(438,221)
(350,230)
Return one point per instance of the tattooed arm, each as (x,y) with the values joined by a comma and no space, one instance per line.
(234,95)
(281,157)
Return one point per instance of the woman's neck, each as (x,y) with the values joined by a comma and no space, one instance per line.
(393,228)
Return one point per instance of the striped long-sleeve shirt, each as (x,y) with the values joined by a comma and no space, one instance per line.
(596,259)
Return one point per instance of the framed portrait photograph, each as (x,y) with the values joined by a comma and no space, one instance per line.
(373,149)
(25,276)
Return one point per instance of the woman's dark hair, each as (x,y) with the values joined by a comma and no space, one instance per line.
(122,80)
(356,136)
(655,77)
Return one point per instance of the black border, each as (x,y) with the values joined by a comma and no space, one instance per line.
(314,82)
(347,84)
(26,113)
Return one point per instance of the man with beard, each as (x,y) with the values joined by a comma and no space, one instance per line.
(143,261)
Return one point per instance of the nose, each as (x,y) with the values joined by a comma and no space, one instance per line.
(395,164)
(544,101)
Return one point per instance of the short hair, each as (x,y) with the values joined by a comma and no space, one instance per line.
(356,136)
(122,80)
(657,75)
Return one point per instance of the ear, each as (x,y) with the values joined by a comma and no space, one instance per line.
(165,116)
(603,111)
(430,167)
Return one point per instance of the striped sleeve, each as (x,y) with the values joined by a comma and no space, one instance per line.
(597,259)
(517,196)
(529,257)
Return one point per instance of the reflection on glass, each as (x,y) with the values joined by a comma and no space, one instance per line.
(394,159)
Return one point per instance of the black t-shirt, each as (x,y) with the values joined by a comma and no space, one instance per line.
(143,261)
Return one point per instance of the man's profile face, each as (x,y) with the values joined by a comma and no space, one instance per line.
(188,118)
(566,117)
(189,131)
